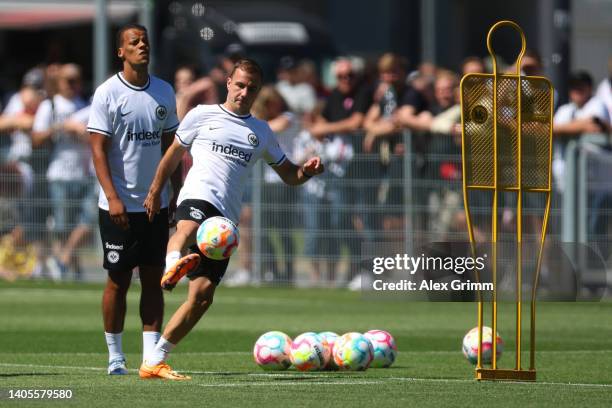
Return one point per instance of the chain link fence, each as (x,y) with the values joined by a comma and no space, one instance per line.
(408,191)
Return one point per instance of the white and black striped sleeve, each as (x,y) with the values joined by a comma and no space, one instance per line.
(99,116)
(274,154)
(188,129)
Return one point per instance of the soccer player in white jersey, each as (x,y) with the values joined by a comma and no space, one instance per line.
(132,121)
(225,142)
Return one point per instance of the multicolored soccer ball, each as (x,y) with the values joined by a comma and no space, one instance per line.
(331,338)
(353,351)
(217,238)
(309,352)
(272,351)
(470,345)
(385,349)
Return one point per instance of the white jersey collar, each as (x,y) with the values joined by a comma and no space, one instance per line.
(134,87)
(248,115)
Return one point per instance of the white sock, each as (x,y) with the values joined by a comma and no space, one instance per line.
(171,258)
(115,349)
(149,340)
(160,353)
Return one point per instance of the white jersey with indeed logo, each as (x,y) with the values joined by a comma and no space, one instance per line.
(135,119)
(225,147)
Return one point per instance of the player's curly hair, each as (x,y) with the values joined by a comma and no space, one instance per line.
(247,65)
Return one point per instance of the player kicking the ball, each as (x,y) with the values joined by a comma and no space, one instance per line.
(225,142)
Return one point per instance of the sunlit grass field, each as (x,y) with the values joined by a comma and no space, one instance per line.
(51,337)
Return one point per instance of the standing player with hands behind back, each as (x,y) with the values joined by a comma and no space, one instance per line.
(132,120)
(225,142)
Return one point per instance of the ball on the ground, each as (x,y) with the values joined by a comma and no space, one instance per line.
(385,349)
(272,351)
(353,351)
(309,352)
(330,338)
(217,238)
(470,345)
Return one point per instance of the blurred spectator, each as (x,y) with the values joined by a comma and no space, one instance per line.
(219,73)
(422,80)
(191,91)
(388,97)
(308,74)
(336,128)
(345,109)
(473,65)
(76,125)
(583,114)
(531,63)
(184,76)
(52,72)
(18,116)
(414,102)
(300,96)
(445,87)
(604,90)
(271,107)
(383,136)
(316,221)
(417,99)
(445,203)
(68,168)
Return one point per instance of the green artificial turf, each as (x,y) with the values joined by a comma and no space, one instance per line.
(51,337)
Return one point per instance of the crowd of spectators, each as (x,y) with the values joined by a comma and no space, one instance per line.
(358,125)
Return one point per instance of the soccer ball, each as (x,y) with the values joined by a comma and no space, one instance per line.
(309,352)
(272,351)
(470,345)
(217,238)
(331,338)
(384,346)
(353,351)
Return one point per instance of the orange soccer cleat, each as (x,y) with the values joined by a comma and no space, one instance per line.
(181,268)
(160,371)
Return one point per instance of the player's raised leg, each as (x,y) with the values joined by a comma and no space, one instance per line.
(204,278)
(177,266)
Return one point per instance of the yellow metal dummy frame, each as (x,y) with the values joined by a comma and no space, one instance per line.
(506,123)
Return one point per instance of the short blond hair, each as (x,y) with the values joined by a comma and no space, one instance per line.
(389,61)
(445,74)
(266,94)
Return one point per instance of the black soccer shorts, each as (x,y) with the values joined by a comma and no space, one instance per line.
(144,243)
(198,211)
